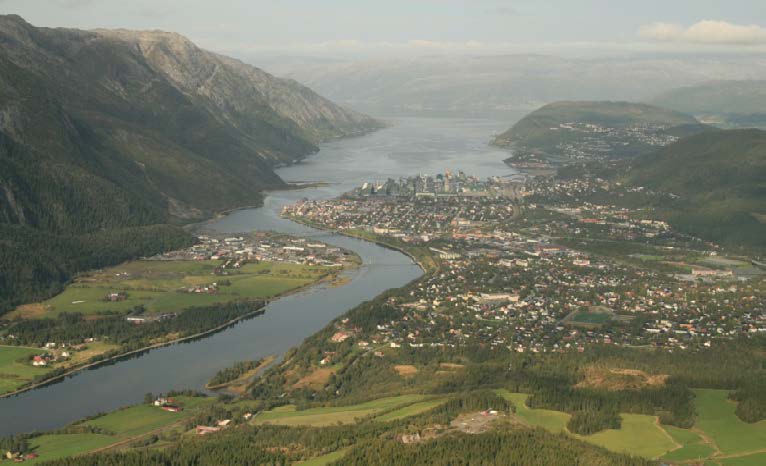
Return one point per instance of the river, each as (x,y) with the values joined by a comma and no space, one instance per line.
(411,146)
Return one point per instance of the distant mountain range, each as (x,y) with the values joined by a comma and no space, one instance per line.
(102,131)
(505,86)
(562,131)
(724,103)
(720,178)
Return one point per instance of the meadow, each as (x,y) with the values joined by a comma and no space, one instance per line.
(161,286)
(13,373)
(289,416)
(730,435)
(411,410)
(639,435)
(123,426)
(718,436)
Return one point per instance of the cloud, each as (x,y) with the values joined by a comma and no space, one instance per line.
(706,32)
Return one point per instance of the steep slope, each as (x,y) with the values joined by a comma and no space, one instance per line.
(237,91)
(103,131)
(725,103)
(565,130)
(151,113)
(720,178)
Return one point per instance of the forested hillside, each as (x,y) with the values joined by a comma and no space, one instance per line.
(720,180)
(108,130)
(588,129)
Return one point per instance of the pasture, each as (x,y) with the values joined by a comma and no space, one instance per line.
(411,410)
(289,416)
(14,368)
(716,418)
(639,435)
(164,286)
(142,419)
(122,425)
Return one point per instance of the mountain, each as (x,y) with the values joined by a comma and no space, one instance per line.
(724,103)
(720,178)
(103,131)
(586,129)
(166,128)
(502,86)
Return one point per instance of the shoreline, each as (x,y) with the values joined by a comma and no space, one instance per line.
(329,279)
(90,365)
(360,237)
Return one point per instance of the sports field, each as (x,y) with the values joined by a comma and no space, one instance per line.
(163,286)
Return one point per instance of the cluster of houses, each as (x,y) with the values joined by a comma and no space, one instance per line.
(18,457)
(54,353)
(167,404)
(602,142)
(235,251)
(504,280)
(413,220)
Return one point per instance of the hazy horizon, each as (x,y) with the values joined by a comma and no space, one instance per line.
(347,30)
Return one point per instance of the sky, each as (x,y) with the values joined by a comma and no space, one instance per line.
(363,28)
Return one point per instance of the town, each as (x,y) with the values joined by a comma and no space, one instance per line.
(440,185)
(234,251)
(536,271)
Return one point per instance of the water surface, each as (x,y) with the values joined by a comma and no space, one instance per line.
(410,147)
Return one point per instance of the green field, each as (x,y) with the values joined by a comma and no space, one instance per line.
(590,317)
(639,435)
(693,446)
(411,410)
(13,374)
(716,417)
(159,285)
(51,447)
(123,425)
(553,421)
(289,416)
(757,459)
(142,419)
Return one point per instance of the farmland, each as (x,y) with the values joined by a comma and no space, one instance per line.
(120,428)
(164,286)
(718,435)
(141,419)
(716,418)
(411,410)
(553,421)
(288,415)
(15,370)
(639,435)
